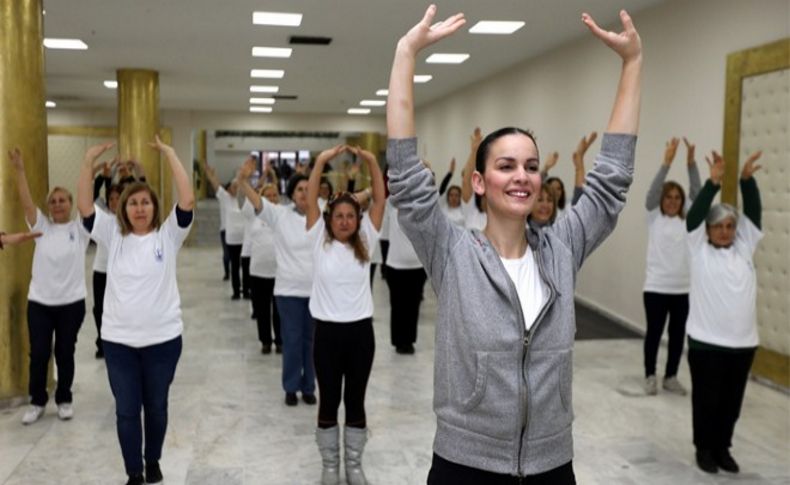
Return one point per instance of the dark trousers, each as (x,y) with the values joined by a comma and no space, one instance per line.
(343,355)
(64,321)
(445,472)
(265,310)
(140,380)
(406,286)
(372,273)
(657,307)
(99,283)
(296,326)
(246,285)
(234,250)
(718,383)
(385,248)
(225,253)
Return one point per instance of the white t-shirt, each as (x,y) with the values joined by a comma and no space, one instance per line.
(58,276)
(248,211)
(263,260)
(455,214)
(723,297)
(341,286)
(293,247)
(142,305)
(100,258)
(473,218)
(234,219)
(667,254)
(531,292)
(401,254)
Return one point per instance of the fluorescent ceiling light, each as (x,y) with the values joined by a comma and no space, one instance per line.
(51,104)
(111,84)
(495,27)
(261,100)
(277,18)
(271,51)
(422,78)
(260,109)
(358,111)
(267,73)
(264,89)
(372,102)
(382,92)
(74,44)
(446,58)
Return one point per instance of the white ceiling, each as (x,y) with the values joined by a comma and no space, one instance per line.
(202,48)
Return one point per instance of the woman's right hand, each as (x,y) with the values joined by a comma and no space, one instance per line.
(94,152)
(689,151)
(716,166)
(670,150)
(15,156)
(426,32)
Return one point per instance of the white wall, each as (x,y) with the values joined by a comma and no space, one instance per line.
(568,92)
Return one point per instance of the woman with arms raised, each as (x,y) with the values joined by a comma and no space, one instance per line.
(505,320)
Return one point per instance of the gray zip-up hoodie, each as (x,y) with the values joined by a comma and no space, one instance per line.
(502,396)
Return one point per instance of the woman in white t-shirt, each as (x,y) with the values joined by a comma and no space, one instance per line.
(56,298)
(473,206)
(100,266)
(545,211)
(722,321)
(141,325)
(342,305)
(666,289)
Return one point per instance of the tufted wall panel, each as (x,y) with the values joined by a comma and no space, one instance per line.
(65,158)
(765,115)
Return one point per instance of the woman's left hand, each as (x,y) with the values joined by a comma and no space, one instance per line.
(426,32)
(159,145)
(626,44)
(750,166)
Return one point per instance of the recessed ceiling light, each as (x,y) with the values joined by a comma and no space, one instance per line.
(264,89)
(51,104)
(74,44)
(422,78)
(111,84)
(382,92)
(277,18)
(372,102)
(446,58)
(267,73)
(261,100)
(358,111)
(260,109)
(271,51)
(495,27)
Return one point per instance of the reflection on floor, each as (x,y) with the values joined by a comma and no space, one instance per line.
(228,423)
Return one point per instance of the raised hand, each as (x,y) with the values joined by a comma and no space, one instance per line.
(582,147)
(670,149)
(626,44)
(426,32)
(750,166)
(452,165)
(331,153)
(15,156)
(550,162)
(689,151)
(475,139)
(246,170)
(716,165)
(159,145)
(94,152)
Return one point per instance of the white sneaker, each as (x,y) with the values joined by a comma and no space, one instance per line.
(32,414)
(651,386)
(65,411)
(672,384)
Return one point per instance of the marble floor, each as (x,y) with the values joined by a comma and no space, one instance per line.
(228,423)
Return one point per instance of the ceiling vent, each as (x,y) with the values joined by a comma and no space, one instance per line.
(288,97)
(309,40)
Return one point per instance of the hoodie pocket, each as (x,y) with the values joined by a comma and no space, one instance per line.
(481,376)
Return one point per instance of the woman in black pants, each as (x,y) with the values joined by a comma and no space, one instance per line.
(342,305)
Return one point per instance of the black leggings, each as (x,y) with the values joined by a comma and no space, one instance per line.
(265,310)
(99,284)
(406,286)
(343,351)
(444,472)
(234,250)
(657,306)
(246,285)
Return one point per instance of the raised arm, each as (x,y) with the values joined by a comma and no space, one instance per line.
(243,181)
(578,158)
(211,175)
(653,199)
(752,206)
(15,156)
(469,168)
(400,101)
(699,209)
(378,194)
(548,164)
(447,178)
(186,196)
(84,183)
(17,238)
(313,212)
(691,164)
(627,44)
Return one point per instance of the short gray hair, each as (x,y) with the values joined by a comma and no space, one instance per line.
(719,212)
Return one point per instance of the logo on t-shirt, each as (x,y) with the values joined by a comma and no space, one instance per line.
(71,236)
(159,255)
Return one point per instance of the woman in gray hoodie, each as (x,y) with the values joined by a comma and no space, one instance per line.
(505,324)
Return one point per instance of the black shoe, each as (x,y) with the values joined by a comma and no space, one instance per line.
(246,296)
(291,399)
(99,354)
(726,462)
(405,349)
(153,474)
(235,296)
(266,349)
(706,462)
(309,399)
(278,349)
(225,278)
(136,479)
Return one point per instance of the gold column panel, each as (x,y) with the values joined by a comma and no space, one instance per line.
(138,120)
(23,124)
(371,142)
(198,174)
